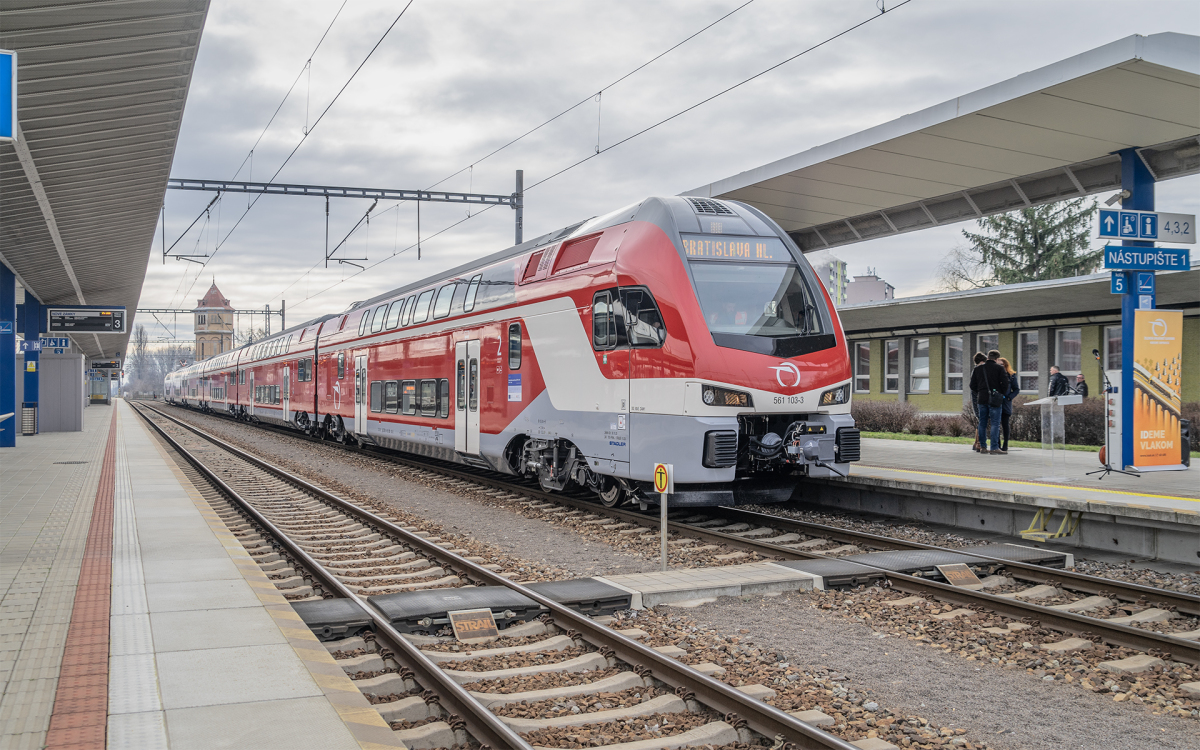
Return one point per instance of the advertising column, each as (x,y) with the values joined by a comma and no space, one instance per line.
(1157,401)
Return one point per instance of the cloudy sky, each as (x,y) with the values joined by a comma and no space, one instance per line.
(454,80)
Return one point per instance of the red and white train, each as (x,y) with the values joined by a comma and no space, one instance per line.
(678,330)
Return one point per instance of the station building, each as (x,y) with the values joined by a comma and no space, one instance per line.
(920,349)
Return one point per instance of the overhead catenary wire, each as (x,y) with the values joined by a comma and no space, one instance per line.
(643,131)
(221,241)
(471,167)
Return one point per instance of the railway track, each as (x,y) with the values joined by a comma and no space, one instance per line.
(790,539)
(332,556)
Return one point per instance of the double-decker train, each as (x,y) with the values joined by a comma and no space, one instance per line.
(678,330)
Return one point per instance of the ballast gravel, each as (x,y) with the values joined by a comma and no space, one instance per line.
(1006,710)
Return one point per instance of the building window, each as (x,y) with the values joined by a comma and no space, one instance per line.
(862,367)
(1068,351)
(891,359)
(1112,348)
(918,366)
(1027,360)
(200,320)
(988,342)
(954,364)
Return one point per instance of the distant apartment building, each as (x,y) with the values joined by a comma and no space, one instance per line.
(832,273)
(869,288)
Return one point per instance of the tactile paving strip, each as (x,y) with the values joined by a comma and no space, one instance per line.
(81,700)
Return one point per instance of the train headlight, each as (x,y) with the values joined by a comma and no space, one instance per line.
(715,396)
(835,396)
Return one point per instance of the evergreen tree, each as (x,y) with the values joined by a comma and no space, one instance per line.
(1041,242)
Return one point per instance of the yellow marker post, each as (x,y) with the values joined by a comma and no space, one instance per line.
(664,485)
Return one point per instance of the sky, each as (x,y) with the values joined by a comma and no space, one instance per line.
(455,80)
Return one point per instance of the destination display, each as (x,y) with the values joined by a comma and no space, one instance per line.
(716,247)
(111,364)
(87,320)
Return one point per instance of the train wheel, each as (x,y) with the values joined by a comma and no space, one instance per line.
(612,494)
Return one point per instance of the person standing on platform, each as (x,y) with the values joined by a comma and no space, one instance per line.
(978,359)
(1058,383)
(1014,388)
(1081,386)
(989,383)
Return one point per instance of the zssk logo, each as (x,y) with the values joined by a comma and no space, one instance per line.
(789,368)
(1158,327)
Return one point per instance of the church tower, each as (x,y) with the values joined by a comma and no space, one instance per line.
(214,324)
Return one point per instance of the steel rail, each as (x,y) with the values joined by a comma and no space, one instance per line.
(1114,633)
(735,705)
(1185,603)
(484,725)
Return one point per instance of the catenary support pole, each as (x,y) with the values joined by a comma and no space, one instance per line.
(8,358)
(1136,178)
(519,205)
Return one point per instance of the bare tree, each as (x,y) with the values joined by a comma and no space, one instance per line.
(962,269)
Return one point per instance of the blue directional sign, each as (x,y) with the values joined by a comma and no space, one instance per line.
(1118,283)
(6,326)
(1147,258)
(8,95)
(31,346)
(1153,226)
(1145,282)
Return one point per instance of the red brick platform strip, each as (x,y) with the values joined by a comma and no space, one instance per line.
(81,703)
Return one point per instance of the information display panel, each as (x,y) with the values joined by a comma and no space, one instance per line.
(86,320)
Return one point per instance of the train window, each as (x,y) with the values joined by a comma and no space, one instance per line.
(306,369)
(362,322)
(498,285)
(410,306)
(341,365)
(342,324)
(422,312)
(378,318)
(473,385)
(604,322)
(643,324)
(408,397)
(443,398)
(461,378)
(377,395)
(441,308)
(429,400)
(514,346)
(393,316)
(391,396)
(472,290)
(241,377)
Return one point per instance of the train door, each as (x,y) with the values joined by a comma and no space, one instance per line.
(250,392)
(466,397)
(286,396)
(362,395)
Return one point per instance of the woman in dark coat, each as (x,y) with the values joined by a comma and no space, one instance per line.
(1006,411)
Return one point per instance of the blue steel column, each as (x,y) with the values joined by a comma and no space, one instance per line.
(8,359)
(33,312)
(1135,178)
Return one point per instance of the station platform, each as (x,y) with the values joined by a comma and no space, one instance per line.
(1155,515)
(132,618)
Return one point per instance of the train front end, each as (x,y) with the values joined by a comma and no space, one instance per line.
(751,391)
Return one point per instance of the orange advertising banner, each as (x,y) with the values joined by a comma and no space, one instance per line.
(1157,369)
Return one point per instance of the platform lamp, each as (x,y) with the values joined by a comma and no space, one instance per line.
(1106,454)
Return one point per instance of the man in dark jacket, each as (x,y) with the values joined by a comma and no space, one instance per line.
(987,378)
(1081,386)
(1058,383)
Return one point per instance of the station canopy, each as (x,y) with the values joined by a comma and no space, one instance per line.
(1044,136)
(100,94)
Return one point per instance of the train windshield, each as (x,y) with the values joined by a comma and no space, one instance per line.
(752,287)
